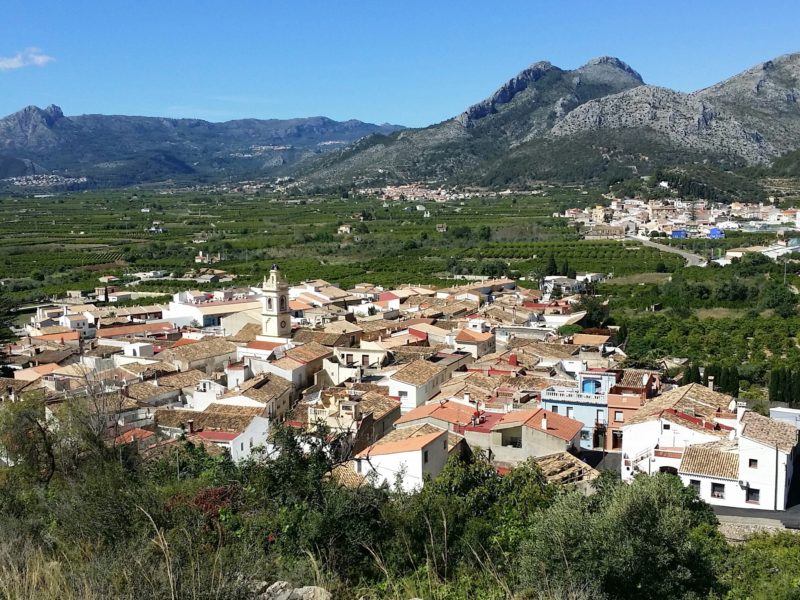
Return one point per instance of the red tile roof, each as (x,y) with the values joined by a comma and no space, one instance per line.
(217,436)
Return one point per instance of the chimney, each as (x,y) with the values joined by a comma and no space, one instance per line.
(190,423)
(466,397)
(711,382)
(513,361)
(544,422)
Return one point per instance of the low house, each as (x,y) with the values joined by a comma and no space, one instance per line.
(209,355)
(519,435)
(420,380)
(238,429)
(655,437)
(477,343)
(405,457)
(753,470)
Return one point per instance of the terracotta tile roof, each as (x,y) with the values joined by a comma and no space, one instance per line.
(216,417)
(769,432)
(710,461)
(288,364)
(260,345)
(341,326)
(133,435)
(298,305)
(247,333)
(204,349)
(694,400)
(146,390)
(309,352)
(635,378)
(265,388)
(184,342)
(346,476)
(59,337)
(449,411)
(587,339)
(307,336)
(216,436)
(418,372)
(378,404)
(16,384)
(182,379)
(465,335)
(138,329)
(557,425)
(407,439)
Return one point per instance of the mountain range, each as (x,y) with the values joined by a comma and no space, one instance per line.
(596,122)
(120,150)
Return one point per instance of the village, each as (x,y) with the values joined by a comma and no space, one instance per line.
(678,219)
(403,378)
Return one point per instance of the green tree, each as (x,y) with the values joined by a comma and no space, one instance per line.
(552,268)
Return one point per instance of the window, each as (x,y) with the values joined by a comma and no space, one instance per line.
(695,485)
(402,394)
(718,490)
(586,434)
(444,444)
(358,466)
(665,426)
(619,416)
(425,457)
(753,495)
(753,464)
(570,411)
(554,409)
(600,417)
(242,446)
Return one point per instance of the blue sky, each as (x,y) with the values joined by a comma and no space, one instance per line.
(409,62)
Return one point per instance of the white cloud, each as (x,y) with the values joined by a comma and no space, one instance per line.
(30,57)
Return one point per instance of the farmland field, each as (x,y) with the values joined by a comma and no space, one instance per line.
(50,245)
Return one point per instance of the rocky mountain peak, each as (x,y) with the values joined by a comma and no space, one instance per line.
(33,115)
(610,64)
(505,93)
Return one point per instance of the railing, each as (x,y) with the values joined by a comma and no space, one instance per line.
(573,396)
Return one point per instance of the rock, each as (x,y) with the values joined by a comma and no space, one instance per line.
(310,592)
(283,590)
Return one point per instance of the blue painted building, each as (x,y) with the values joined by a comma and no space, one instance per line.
(588,403)
(679,234)
(716,233)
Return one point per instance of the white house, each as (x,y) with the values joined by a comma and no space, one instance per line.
(405,456)
(731,456)
(754,469)
(416,383)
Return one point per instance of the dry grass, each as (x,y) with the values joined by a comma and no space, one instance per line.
(718,313)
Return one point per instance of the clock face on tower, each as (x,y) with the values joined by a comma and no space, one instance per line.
(283,323)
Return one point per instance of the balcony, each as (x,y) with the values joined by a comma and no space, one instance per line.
(573,396)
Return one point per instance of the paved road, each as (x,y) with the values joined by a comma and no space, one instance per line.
(692,260)
(790,517)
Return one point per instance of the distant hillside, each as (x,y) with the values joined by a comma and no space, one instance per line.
(123,149)
(599,121)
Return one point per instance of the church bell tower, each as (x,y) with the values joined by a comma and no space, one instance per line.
(276,322)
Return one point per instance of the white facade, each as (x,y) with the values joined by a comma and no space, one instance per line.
(639,443)
(409,468)
(254,436)
(762,483)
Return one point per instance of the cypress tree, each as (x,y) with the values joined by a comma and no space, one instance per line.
(773,385)
(551,269)
(565,268)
